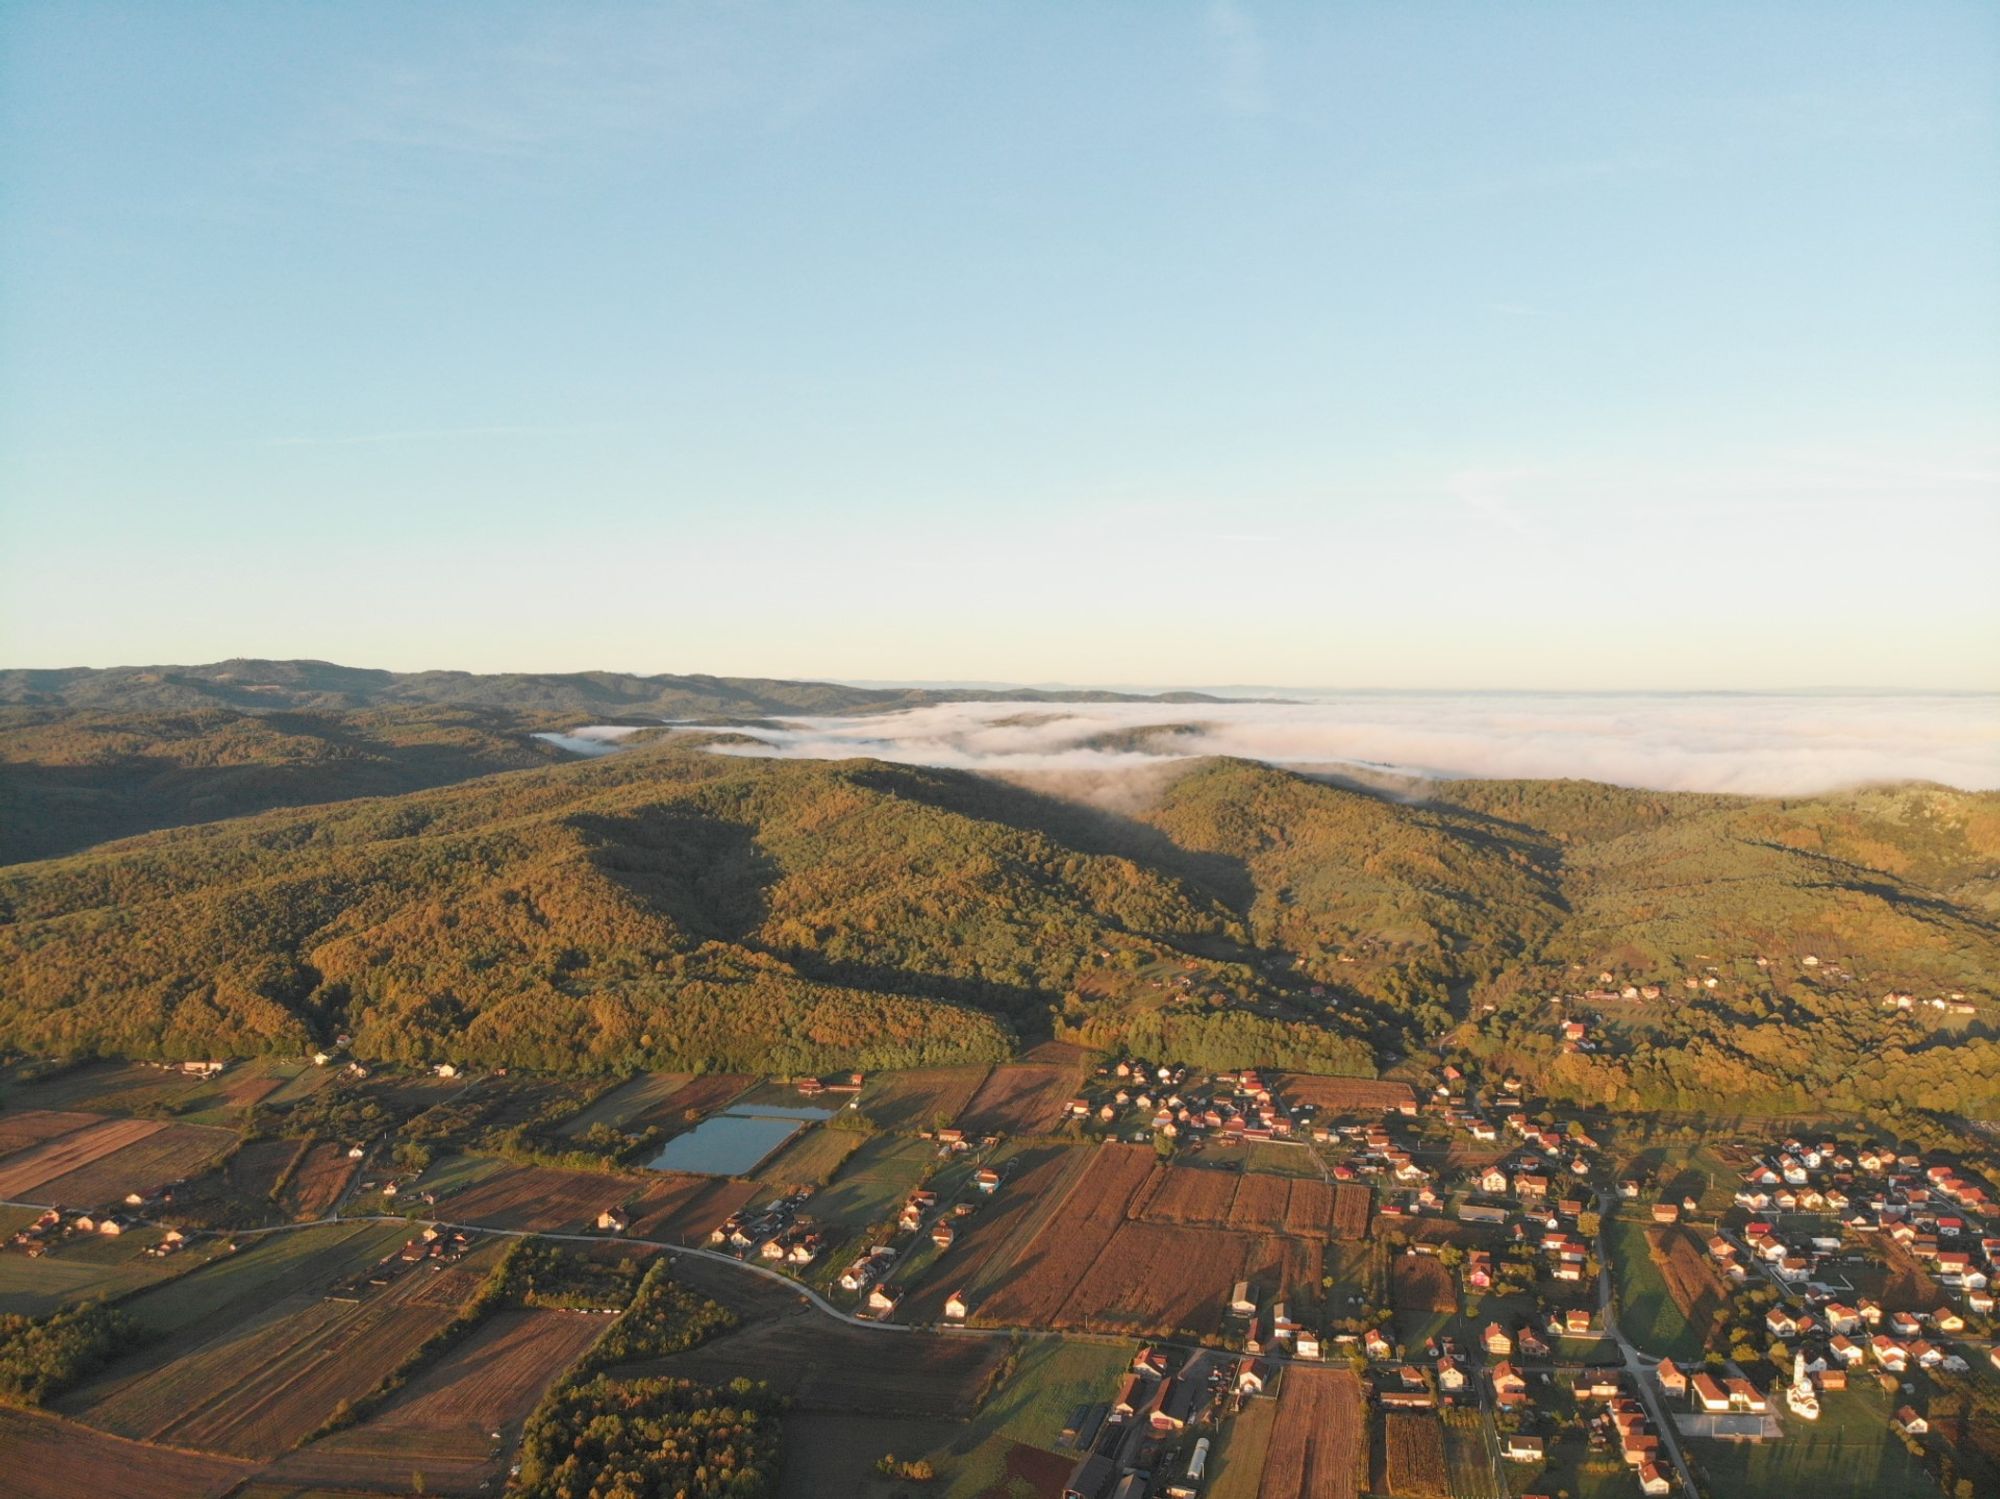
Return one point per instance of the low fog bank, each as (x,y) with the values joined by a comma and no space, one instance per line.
(1771,745)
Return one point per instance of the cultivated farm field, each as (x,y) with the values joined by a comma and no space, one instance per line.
(441,1423)
(1352,1204)
(627,1101)
(1413,1456)
(991,1242)
(171,1153)
(1691,1279)
(543,1199)
(1468,1458)
(21,1128)
(46,1457)
(321,1175)
(690,1103)
(829,1366)
(1145,1281)
(812,1158)
(1419,1283)
(1318,1443)
(27,1169)
(918,1097)
(1047,1271)
(260,1385)
(1254,1202)
(1020,1100)
(682,1209)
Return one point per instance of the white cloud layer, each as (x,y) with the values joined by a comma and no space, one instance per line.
(1780,744)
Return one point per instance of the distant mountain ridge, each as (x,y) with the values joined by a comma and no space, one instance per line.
(254,685)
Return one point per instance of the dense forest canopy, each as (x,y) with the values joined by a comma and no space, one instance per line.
(669,908)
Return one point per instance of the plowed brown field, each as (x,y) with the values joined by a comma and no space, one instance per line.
(170,1153)
(28,1169)
(441,1423)
(1020,1101)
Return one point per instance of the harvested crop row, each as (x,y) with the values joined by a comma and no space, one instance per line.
(1063,1252)
(70,1152)
(1413,1447)
(1317,1440)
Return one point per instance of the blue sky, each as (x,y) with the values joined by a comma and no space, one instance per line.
(1535,346)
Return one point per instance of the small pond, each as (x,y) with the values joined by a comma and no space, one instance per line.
(726,1144)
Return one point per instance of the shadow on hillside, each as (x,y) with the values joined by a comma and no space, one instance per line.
(707,875)
(1077,824)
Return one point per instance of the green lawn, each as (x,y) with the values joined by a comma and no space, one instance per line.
(1646,1312)
(1849,1453)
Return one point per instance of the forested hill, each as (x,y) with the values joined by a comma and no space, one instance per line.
(668,908)
(71,778)
(88,756)
(259,685)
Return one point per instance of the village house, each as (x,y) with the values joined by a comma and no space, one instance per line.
(1710,1396)
(1744,1395)
(1521,1448)
(1671,1380)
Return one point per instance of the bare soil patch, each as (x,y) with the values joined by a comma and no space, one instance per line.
(21,1128)
(46,1457)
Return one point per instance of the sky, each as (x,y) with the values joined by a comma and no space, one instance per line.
(1436,346)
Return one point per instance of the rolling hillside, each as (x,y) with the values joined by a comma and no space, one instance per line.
(669,908)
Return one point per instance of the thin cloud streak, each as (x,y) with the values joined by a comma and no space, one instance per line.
(1771,745)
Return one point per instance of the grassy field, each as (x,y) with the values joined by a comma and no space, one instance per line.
(1051,1379)
(627,1101)
(921,1096)
(1236,1463)
(265,1267)
(1575,1470)
(1468,1457)
(812,1158)
(1849,1453)
(92,1266)
(874,1182)
(1646,1310)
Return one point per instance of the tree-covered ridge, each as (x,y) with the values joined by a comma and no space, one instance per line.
(1901,879)
(70,779)
(648,912)
(1389,898)
(666,908)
